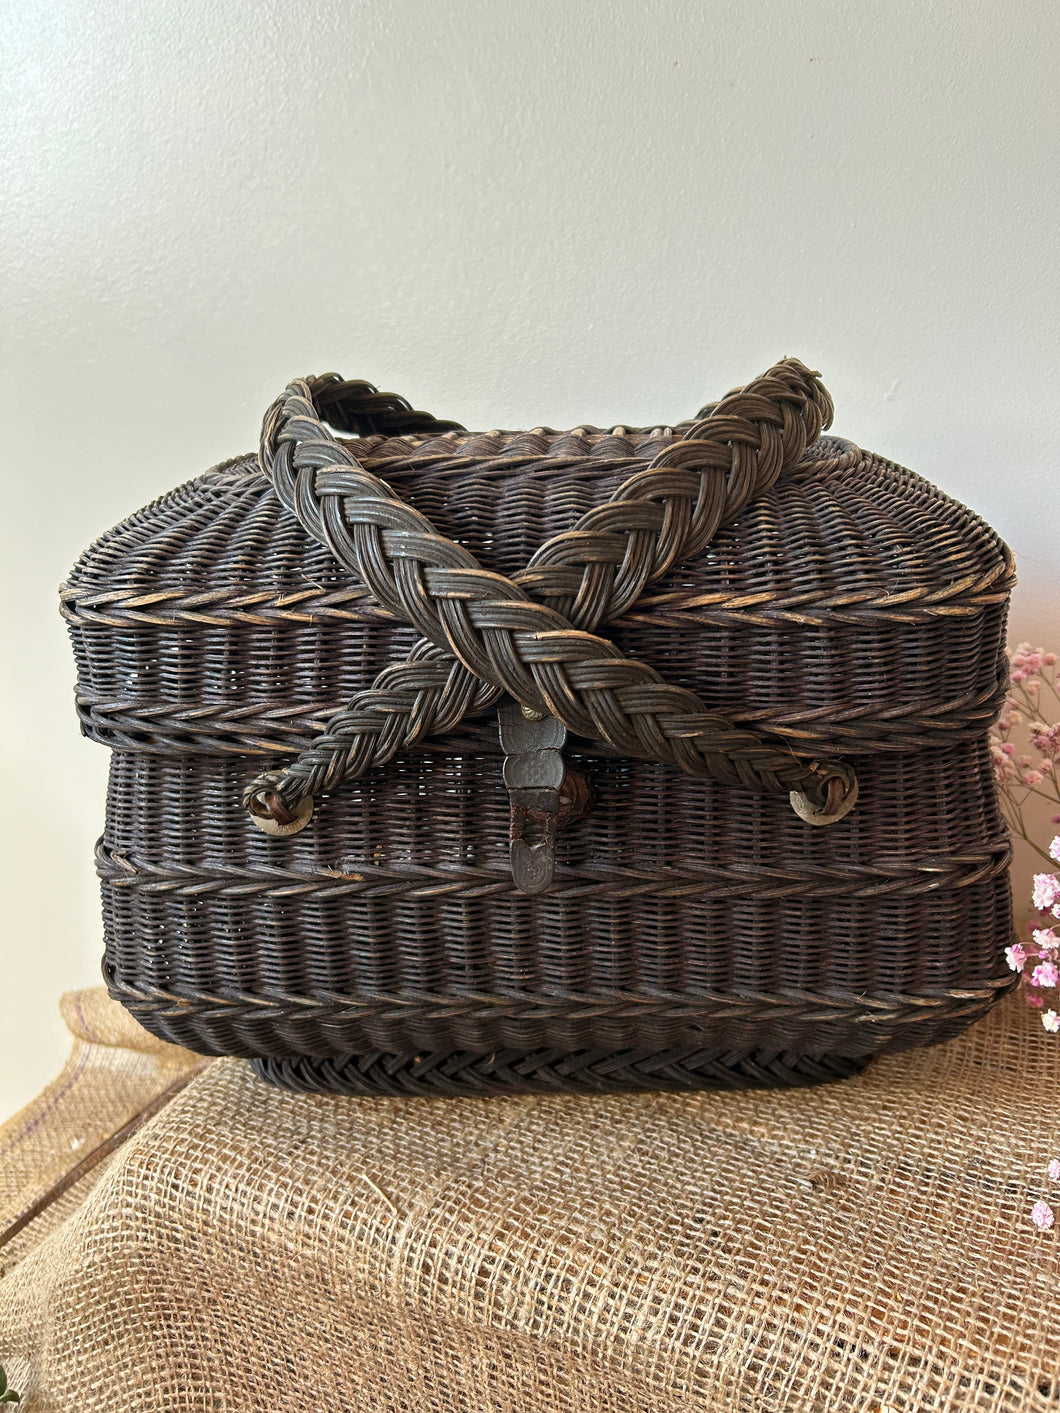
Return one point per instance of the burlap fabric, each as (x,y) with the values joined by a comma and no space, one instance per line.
(861,1247)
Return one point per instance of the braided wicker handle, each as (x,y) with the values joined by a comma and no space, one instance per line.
(531,636)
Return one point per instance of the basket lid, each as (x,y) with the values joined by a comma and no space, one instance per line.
(853,607)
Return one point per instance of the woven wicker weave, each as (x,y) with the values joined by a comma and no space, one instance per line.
(722,614)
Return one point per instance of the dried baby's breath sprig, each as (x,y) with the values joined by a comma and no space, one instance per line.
(1033,697)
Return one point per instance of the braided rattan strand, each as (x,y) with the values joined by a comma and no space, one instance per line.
(591,573)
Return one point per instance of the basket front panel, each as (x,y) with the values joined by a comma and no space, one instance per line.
(682,913)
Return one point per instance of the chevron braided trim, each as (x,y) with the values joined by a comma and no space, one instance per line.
(253,728)
(216,608)
(419,882)
(540,650)
(963,598)
(219,608)
(806,1007)
(261,728)
(545,1072)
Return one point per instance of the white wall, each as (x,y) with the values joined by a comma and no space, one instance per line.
(514,213)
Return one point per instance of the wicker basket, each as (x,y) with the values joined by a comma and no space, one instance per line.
(663,760)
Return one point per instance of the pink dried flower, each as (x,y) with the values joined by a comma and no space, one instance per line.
(1034,1001)
(1046,740)
(1032,777)
(1004,770)
(1051,1021)
(1045,974)
(1042,1216)
(1009,749)
(1017,676)
(1054,1170)
(1048,659)
(1046,890)
(1054,849)
(1027,659)
(1045,939)
(1015,956)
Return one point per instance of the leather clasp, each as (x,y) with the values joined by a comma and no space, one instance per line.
(545,795)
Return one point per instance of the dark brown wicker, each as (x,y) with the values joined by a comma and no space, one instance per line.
(722,614)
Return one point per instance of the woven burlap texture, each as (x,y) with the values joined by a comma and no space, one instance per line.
(114,1069)
(866,1246)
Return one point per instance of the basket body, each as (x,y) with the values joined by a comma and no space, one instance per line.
(694,933)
